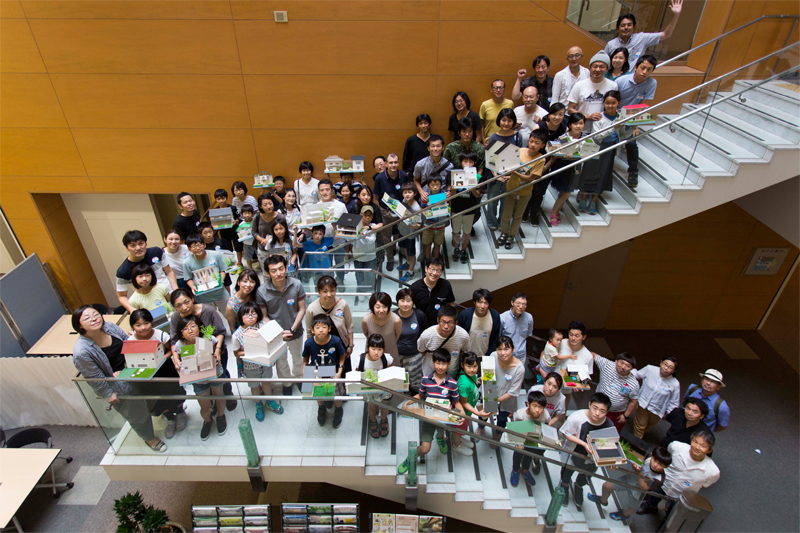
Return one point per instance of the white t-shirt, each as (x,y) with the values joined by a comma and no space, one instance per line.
(687,475)
(578,425)
(526,121)
(658,395)
(584,356)
(175,261)
(563,82)
(307,194)
(430,340)
(588,97)
(364,247)
(479,333)
(636,45)
(523,414)
(156,335)
(556,404)
(550,353)
(370,365)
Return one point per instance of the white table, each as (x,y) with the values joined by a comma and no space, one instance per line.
(20,471)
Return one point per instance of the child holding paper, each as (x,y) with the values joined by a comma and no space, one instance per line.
(434,233)
(375,359)
(324,349)
(534,411)
(408,248)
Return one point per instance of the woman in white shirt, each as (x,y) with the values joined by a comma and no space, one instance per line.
(306,186)
(174,254)
(659,394)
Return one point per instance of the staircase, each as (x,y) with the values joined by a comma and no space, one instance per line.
(704,160)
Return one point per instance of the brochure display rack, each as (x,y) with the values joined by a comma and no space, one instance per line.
(406,523)
(231,519)
(319,518)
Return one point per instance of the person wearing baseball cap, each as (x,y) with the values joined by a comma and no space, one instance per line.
(719,413)
(586,96)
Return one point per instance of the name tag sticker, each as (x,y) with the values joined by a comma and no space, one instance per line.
(413,326)
(290,301)
(437,306)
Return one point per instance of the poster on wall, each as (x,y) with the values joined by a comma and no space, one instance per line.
(766,261)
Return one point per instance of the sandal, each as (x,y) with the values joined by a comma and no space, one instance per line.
(384,427)
(554,220)
(160,447)
(373,430)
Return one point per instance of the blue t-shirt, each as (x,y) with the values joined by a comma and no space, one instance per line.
(327,354)
(317,261)
(633,94)
(711,419)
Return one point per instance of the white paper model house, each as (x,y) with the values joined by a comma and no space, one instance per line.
(605,447)
(197,361)
(263,179)
(630,110)
(143,354)
(313,214)
(395,205)
(349,226)
(221,218)
(244,233)
(501,156)
(393,377)
(357,163)
(206,279)
(588,148)
(333,163)
(264,346)
(464,178)
(579,150)
(489,383)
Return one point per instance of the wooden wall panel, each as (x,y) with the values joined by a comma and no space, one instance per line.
(712,24)
(136,9)
(39,152)
(31,102)
(544,296)
(334,101)
(339,10)
(161,152)
(18,52)
(152,101)
(11,9)
(344,48)
(490,10)
(163,184)
(15,193)
(137,46)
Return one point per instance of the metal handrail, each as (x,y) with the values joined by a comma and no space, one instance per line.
(717,39)
(576,142)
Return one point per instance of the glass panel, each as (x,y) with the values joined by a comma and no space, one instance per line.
(108,419)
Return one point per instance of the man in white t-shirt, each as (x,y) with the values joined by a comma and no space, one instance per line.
(327,194)
(586,96)
(569,76)
(572,344)
(637,43)
(529,113)
(691,470)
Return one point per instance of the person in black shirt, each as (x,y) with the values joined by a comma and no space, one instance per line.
(229,234)
(213,243)
(187,220)
(416,147)
(432,292)
(685,421)
(461,106)
(542,82)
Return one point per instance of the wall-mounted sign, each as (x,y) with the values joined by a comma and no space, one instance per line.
(766,261)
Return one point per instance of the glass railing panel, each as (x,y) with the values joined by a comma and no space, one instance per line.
(108,419)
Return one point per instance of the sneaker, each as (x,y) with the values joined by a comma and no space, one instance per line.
(537,467)
(592,208)
(633,179)
(322,415)
(275,407)
(406,277)
(514,480)
(582,205)
(171,428)
(577,491)
(206,431)
(464,257)
(404,466)
(402,267)
(442,445)
(456,253)
(222,425)
(259,411)
(619,517)
(468,443)
(230,405)
(389,266)
(183,419)
(595,498)
(463,450)
(528,478)
(287,391)
(565,502)
(338,413)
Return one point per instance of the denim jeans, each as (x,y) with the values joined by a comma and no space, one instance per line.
(365,280)
(632,151)
(493,209)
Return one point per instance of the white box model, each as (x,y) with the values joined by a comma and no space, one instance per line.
(244,233)
(489,383)
(396,206)
(464,178)
(313,214)
(264,346)
(262,180)
(357,163)
(630,110)
(143,354)
(437,211)
(221,218)
(349,226)
(501,156)
(206,279)
(588,148)
(197,361)
(333,163)
(394,378)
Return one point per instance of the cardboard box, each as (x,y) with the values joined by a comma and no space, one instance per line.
(264,346)
(394,378)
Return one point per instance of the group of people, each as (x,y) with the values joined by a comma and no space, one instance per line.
(440,347)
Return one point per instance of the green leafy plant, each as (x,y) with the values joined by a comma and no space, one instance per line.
(371,376)
(207,332)
(136,517)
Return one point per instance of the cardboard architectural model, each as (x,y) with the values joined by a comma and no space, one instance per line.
(437,211)
(313,214)
(464,178)
(263,180)
(206,279)
(319,389)
(630,110)
(244,233)
(605,447)
(536,432)
(143,354)
(489,383)
(395,206)
(264,346)
(501,156)
(427,410)
(197,361)
(337,165)
(393,377)
(349,226)
(580,150)
(221,218)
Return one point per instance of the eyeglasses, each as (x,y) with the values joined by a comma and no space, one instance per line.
(434,271)
(667,366)
(574,56)
(250,313)
(498,88)
(197,245)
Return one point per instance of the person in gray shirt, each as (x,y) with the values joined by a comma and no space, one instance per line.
(517,324)
(637,43)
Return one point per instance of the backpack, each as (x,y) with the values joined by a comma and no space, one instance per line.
(693,387)
(361,361)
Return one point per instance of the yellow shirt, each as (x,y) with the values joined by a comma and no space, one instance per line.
(534,172)
(488,114)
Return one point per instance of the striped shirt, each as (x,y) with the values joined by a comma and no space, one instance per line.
(448,390)
(620,389)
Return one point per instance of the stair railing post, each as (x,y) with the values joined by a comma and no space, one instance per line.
(411,478)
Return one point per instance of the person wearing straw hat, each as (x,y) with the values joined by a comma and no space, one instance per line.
(719,413)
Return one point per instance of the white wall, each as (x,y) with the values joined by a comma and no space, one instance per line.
(777,207)
(101,220)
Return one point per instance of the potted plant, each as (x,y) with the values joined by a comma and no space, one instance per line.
(136,517)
